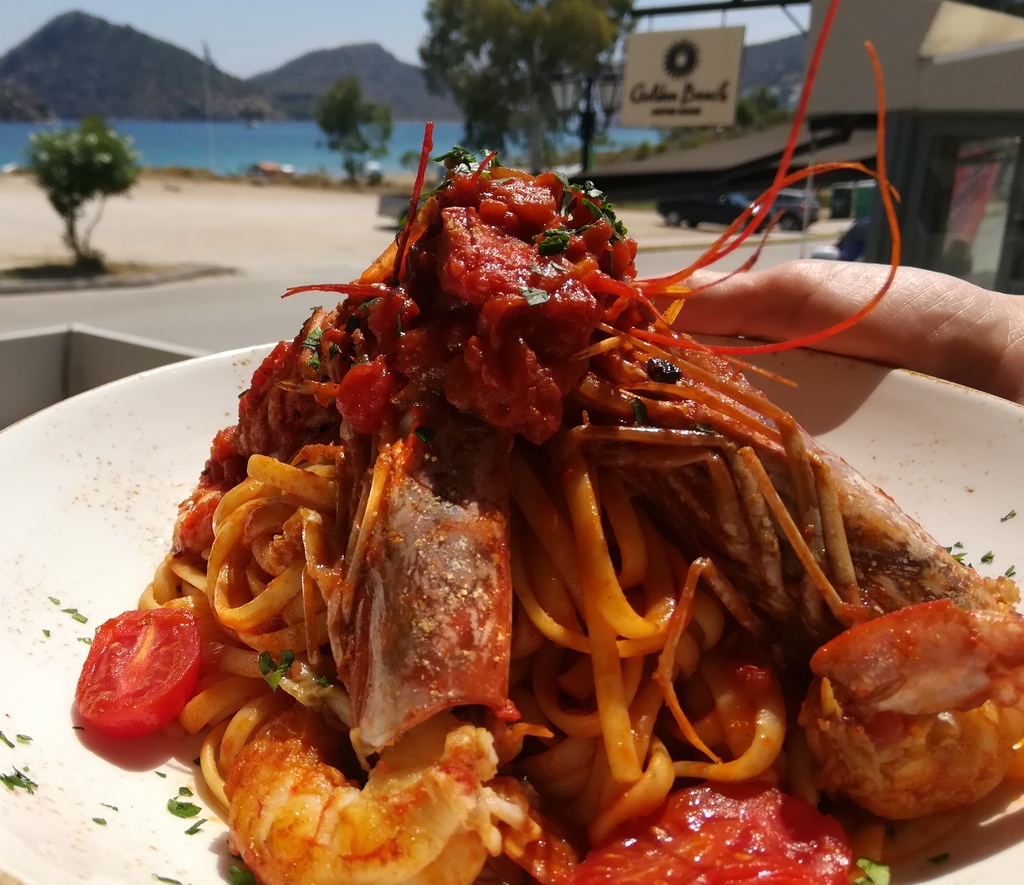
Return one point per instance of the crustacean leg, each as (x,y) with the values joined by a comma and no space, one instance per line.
(846,552)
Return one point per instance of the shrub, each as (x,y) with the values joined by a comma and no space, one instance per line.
(75,167)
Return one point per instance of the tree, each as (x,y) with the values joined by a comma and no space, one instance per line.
(760,107)
(75,167)
(497,59)
(354,127)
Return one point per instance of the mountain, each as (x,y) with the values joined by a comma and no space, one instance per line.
(20,105)
(777,64)
(382,78)
(79,65)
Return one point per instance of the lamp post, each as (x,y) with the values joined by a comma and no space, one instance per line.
(587,97)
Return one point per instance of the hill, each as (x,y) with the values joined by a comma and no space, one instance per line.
(79,64)
(19,105)
(297,84)
(778,64)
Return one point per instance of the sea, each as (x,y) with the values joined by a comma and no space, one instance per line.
(231,148)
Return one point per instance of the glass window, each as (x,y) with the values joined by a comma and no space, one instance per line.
(969,205)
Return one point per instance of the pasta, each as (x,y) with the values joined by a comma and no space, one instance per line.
(497,567)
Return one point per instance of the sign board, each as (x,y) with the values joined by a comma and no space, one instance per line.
(682,78)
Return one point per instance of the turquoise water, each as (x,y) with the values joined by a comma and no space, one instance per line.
(229,148)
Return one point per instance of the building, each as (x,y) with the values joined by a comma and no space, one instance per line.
(954,87)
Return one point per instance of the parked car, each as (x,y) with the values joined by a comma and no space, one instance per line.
(849,246)
(697,208)
(792,207)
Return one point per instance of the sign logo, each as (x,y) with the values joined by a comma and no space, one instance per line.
(681,59)
(682,78)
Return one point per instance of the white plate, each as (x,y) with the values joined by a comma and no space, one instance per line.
(87,501)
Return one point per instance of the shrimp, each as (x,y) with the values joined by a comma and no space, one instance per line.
(915,712)
(424,816)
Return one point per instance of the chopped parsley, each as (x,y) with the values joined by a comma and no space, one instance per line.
(107,805)
(86,639)
(874,873)
(167,879)
(23,738)
(182,809)
(18,780)
(54,600)
(242,876)
(553,242)
(6,740)
(273,672)
(312,343)
(958,556)
(639,410)
(1009,515)
(534,296)
(195,828)
(458,159)
(1010,572)
(46,633)
(160,773)
(102,821)
(424,434)
(988,557)
(76,615)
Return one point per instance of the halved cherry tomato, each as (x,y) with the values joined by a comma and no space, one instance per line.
(723,834)
(141,670)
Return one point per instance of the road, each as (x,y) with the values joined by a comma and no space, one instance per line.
(226,312)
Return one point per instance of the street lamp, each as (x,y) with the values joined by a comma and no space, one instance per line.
(585,96)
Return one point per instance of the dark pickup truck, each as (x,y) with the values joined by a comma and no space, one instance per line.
(791,206)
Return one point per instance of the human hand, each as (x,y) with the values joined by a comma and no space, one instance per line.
(927,321)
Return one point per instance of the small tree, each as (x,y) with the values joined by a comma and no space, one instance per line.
(354,127)
(77,166)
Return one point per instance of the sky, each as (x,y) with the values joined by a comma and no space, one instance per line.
(248,37)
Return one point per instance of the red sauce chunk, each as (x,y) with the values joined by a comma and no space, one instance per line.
(724,834)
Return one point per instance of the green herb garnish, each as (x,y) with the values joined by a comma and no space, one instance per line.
(312,343)
(18,780)
(182,809)
(192,830)
(75,614)
(242,876)
(273,672)
(553,242)
(6,740)
(102,821)
(1009,515)
(988,557)
(424,434)
(874,873)
(639,410)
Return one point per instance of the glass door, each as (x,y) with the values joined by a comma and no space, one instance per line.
(972,210)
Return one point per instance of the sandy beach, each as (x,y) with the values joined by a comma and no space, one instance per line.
(259,229)
(255,228)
